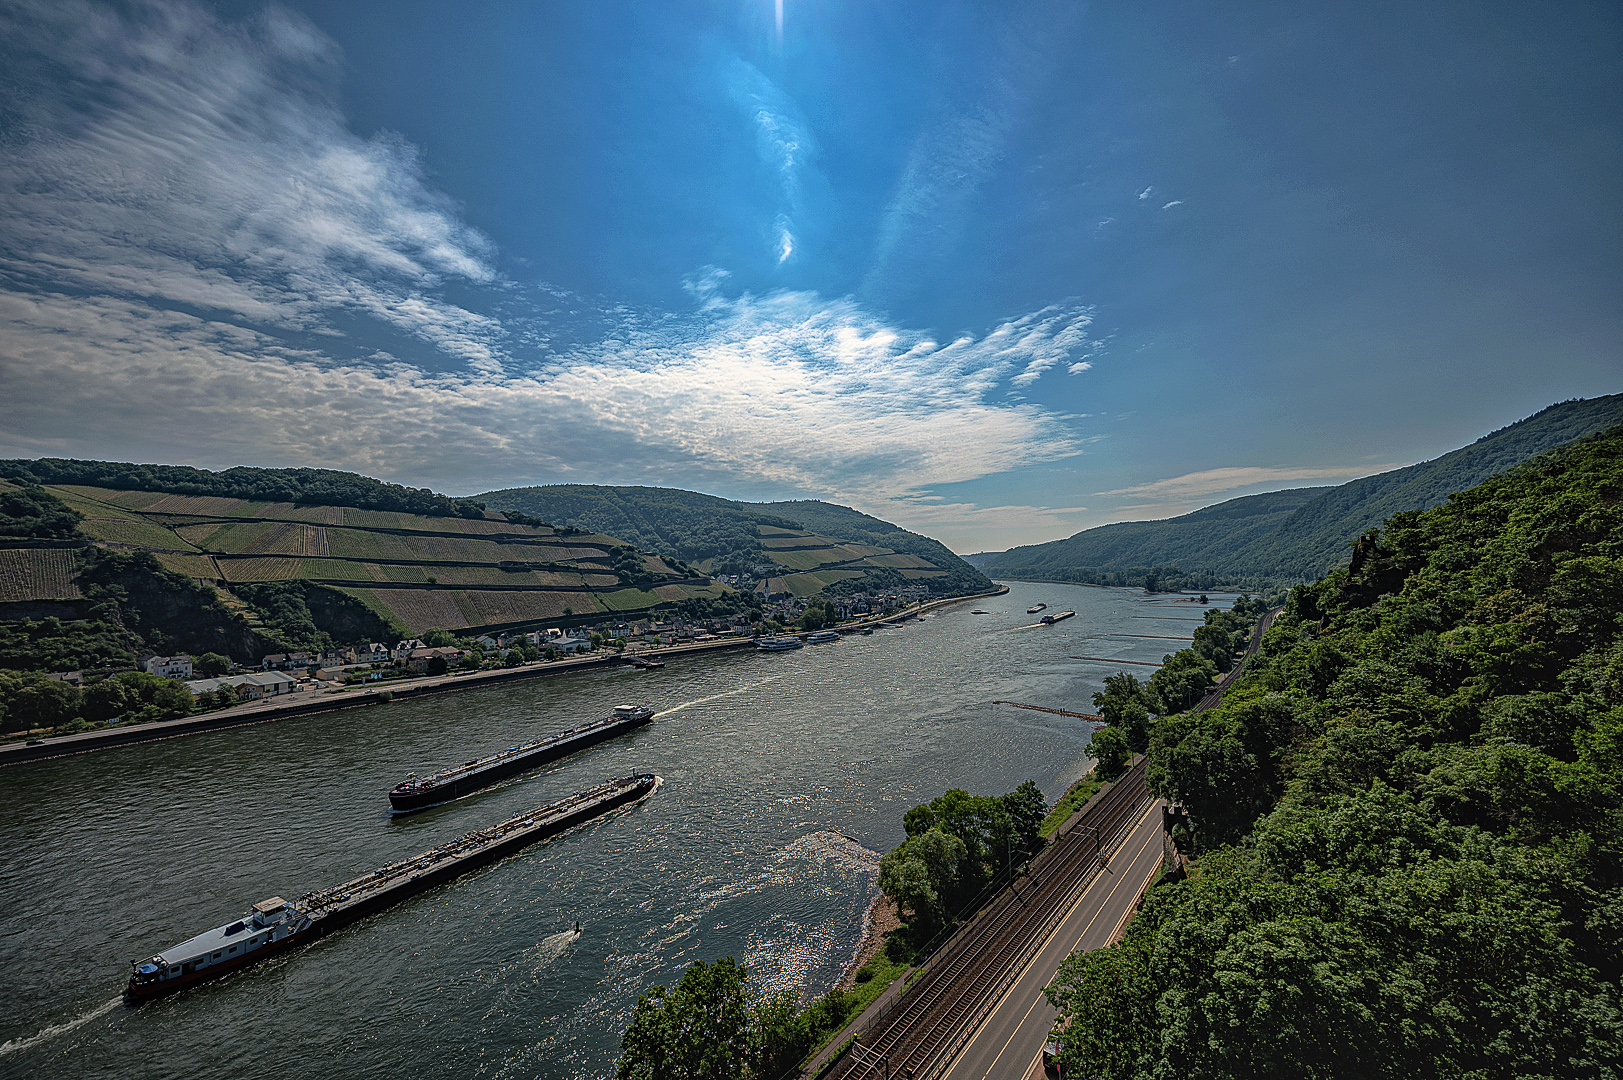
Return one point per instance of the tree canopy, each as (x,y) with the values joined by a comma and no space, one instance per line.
(1407,816)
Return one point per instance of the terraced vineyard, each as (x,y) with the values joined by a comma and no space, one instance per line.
(37,574)
(421,572)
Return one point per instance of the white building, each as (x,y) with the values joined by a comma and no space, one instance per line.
(170,667)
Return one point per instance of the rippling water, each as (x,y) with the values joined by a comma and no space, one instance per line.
(785,774)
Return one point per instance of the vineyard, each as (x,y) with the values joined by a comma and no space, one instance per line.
(37,574)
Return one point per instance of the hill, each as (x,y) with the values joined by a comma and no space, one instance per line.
(1406,816)
(821,547)
(157,570)
(1295,535)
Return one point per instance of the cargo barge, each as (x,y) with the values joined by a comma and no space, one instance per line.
(274,926)
(1050,620)
(419,793)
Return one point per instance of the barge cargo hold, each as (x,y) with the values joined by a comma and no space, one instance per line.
(276,925)
(1050,620)
(419,793)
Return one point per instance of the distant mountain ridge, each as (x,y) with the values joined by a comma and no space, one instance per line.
(723,536)
(1299,534)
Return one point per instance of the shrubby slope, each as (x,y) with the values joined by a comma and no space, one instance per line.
(1408,815)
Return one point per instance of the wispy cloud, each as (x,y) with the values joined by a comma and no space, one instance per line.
(1145,193)
(211,170)
(1170,205)
(782,140)
(201,259)
(1213,481)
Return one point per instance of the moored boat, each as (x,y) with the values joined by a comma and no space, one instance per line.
(778,644)
(419,793)
(821,636)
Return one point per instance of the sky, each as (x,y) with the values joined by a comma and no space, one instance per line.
(997,272)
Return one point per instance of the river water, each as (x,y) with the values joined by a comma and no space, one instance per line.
(770,761)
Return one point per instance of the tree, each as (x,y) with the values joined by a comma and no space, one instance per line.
(920,876)
(107,699)
(438,665)
(211,665)
(697,1030)
(1110,753)
(1026,808)
(439,639)
(31,701)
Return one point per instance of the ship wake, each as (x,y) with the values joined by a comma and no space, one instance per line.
(14,1046)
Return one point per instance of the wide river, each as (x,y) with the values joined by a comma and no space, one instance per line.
(770,762)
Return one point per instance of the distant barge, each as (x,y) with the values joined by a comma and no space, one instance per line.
(419,793)
(1050,620)
(274,926)
(1034,608)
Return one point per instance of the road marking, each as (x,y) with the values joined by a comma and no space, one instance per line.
(1037,953)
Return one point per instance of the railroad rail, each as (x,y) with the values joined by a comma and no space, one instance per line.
(919,1035)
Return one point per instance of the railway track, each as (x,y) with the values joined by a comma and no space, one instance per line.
(928,1024)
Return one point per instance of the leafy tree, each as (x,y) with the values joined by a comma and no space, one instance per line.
(107,700)
(211,665)
(31,511)
(697,1030)
(1110,753)
(921,877)
(439,639)
(438,665)
(33,701)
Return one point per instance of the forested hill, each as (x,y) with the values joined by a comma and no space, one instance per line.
(301,487)
(1302,534)
(724,536)
(1406,817)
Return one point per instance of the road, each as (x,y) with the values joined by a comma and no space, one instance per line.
(1009,1042)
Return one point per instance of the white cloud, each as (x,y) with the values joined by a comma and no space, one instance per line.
(782,141)
(1174,202)
(184,259)
(1212,481)
(211,170)
(1145,193)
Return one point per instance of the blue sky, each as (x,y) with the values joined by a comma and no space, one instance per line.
(997,272)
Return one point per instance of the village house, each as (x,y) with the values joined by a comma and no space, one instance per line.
(170,667)
(249,686)
(286,661)
(417,660)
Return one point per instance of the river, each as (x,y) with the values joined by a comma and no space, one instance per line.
(769,761)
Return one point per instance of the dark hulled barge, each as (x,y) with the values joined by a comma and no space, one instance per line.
(1050,620)
(276,925)
(419,793)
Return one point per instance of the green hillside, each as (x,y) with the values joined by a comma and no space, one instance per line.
(244,574)
(1302,534)
(1406,817)
(848,550)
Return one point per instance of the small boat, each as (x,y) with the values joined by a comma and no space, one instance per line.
(980,611)
(1034,608)
(779,644)
(821,636)
(643,662)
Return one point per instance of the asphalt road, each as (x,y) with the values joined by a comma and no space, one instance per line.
(1010,1041)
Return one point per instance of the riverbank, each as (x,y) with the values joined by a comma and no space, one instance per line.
(310,702)
(878,924)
